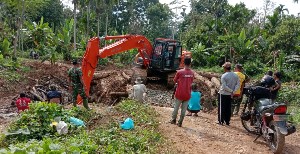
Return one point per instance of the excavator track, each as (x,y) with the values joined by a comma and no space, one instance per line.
(170,82)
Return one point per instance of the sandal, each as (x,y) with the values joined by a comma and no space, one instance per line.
(189,114)
(196,115)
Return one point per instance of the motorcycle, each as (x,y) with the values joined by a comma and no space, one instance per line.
(263,117)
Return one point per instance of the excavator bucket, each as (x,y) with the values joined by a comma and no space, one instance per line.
(89,63)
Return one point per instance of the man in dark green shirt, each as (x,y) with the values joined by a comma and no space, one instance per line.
(77,85)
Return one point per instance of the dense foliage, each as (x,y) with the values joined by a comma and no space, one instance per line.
(38,118)
(290,92)
(213,30)
(108,137)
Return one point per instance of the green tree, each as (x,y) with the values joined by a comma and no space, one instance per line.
(158,16)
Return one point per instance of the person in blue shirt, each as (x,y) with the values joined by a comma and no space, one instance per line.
(194,102)
(54,95)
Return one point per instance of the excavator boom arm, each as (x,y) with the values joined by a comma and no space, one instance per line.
(127,42)
(124,43)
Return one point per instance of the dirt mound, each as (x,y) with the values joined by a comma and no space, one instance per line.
(38,74)
(109,86)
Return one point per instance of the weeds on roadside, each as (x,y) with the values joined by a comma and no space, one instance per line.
(38,119)
(109,138)
(289,94)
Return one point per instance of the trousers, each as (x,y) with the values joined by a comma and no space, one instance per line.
(224,108)
(79,90)
(184,105)
(236,103)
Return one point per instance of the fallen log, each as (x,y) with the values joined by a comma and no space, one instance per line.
(209,75)
(98,76)
(44,96)
(216,82)
(208,83)
(119,94)
(125,76)
(203,79)
(36,95)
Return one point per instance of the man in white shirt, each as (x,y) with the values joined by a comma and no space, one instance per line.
(139,90)
(229,85)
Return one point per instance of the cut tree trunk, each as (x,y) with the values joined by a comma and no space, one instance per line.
(37,96)
(204,79)
(126,76)
(216,82)
(209,75)
(119,94)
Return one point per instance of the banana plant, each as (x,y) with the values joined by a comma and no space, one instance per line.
(64,39)
(66,32)
(238,45)
(5,48)
(51,55)
(40,34)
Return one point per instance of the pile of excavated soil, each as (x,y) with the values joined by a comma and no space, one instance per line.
(107,82)
(39,74)
(108,86)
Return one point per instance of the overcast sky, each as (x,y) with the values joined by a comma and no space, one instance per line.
(293,8)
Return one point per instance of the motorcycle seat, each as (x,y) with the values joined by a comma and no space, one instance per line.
(262,108)
(264,104)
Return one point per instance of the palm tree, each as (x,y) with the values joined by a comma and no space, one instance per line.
(74,12)
(281,10)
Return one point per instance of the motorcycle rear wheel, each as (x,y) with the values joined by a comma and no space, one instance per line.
(247,125)
(277,141)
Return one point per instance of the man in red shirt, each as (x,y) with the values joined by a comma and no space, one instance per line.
(184,79)
(22,103)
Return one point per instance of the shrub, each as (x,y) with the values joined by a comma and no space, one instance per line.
(289,93)
(38,119)
(109,138)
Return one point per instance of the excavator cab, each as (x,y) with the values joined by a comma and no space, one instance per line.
(166,55)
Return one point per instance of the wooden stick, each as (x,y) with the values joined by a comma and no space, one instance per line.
(119,94)
(36,95)
(216,82)
(125,76)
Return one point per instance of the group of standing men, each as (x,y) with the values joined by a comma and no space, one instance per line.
(232,84)
(231,90)
(230,93)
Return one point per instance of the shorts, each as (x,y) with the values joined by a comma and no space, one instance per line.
(193,111)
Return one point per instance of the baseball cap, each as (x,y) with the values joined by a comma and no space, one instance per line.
(226,64)
(239,66)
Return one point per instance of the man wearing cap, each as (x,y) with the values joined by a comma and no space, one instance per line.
(77,85)
(139,90)
(238,95)
(184,79)
(229,85)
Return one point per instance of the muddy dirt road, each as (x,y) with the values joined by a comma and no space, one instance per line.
(201,135)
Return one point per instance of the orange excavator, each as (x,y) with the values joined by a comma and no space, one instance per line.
(161,59)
